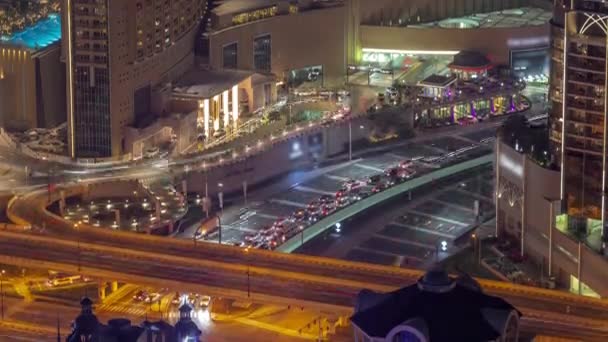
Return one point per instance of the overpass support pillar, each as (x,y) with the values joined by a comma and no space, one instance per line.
(101,291)
(343,321)
(114,286)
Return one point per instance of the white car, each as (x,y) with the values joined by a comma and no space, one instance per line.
(204,302)
(152,152)
(152,297)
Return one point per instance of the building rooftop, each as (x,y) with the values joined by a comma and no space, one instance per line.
(38,36)
(470,60)
(450,310)
(202,83)
(438,80)
(516,17)
(225,7)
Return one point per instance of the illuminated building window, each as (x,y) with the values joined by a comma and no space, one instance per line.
(230,56)
(293,9)
(262,52)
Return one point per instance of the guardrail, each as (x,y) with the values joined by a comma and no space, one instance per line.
(329,221)
(36,202)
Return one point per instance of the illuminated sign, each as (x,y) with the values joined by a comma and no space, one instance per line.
(511,165)
(525,42)
(296,151)
(411,52)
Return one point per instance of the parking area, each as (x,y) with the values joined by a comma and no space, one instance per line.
(269,222)
(410,233)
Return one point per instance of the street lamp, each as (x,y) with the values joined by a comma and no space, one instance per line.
(219,223)
(350,140)
(477,247)
(248,273)
(76,226)
(2,294)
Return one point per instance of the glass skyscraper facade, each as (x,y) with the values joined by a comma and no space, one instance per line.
(578,107)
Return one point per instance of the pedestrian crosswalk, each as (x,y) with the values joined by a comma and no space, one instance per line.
(130,309)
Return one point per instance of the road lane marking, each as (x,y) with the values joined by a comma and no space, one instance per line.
(267,216)
(424,230)
(403,241)
(452,205)
(338,178)
(288,203)
(440,218)
(313,190)
(368,167)
(395,155)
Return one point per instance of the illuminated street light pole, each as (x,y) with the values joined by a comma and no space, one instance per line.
(350,140)
(220,197)
(76,226)
(2,294)
(207,204)
(248,273)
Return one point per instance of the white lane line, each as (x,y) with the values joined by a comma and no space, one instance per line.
(453,205)
(266,216)
(406,242)
(288,203)
(313,190)
(368,167)
(441,218)
(338,178)
(395,155)
(424,230)
(238,226)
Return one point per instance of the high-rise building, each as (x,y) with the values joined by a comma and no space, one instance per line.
(579,105)
(32,92)
(115,51)
(552,197)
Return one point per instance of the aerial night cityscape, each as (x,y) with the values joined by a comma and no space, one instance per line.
(292,170)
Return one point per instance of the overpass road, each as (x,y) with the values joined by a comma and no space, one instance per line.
(32,206)
(270,277)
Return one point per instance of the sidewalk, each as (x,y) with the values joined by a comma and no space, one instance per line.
(274,327)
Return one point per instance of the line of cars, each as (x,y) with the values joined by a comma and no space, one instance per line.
(147,297)
(194,299)
(351,191)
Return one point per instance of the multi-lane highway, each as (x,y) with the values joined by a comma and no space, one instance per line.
(265,276)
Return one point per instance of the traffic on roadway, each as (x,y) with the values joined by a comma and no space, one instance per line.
(267,223)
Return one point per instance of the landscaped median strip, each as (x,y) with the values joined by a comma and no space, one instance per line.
(330,221)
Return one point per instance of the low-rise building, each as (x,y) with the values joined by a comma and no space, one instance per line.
(200,106)
(438,308)
(87,328)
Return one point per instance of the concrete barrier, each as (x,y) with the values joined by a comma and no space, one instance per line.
(329,221)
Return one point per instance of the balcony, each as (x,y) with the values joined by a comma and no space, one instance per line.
(590,120)
(581,77)
(580,105)
(586,56)
(587,64)
(581,144)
